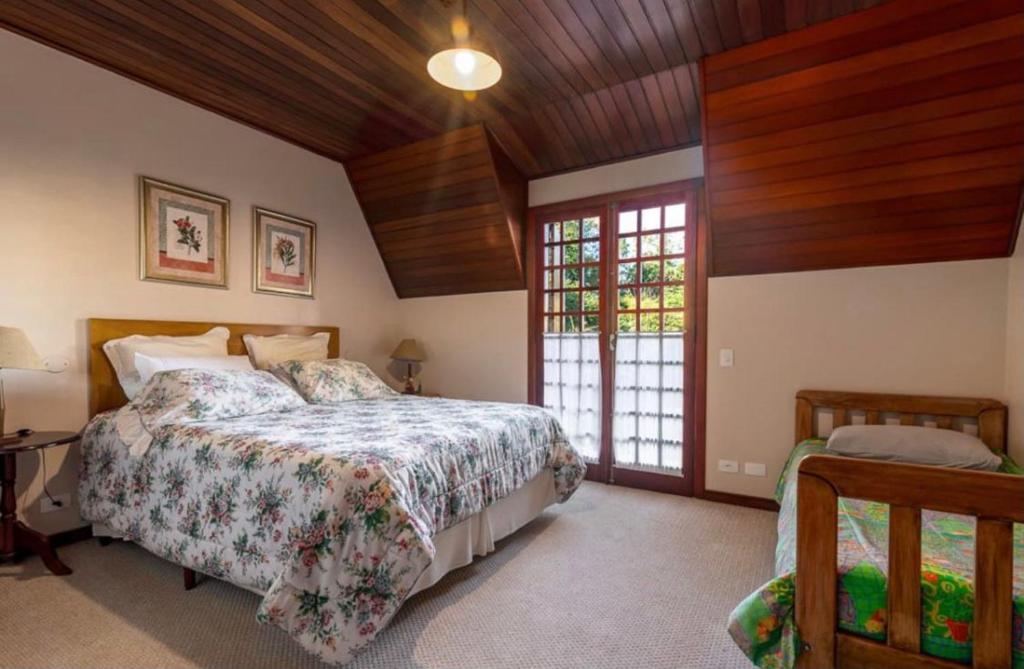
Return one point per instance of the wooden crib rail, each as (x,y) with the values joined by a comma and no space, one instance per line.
(996,500)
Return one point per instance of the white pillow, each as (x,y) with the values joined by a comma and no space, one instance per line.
(148,365)
(121,352)
(914,444)
(268,351)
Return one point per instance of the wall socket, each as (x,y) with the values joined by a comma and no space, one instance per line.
(730,466)
(725,357)
(754,469)
(46,506)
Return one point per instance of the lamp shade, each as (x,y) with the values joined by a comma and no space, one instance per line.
(464,69)
(16,351)
(408,350)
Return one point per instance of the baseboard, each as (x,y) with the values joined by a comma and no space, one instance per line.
(740,500)
(71,536)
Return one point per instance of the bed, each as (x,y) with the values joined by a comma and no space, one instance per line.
(334,514)
(926,568)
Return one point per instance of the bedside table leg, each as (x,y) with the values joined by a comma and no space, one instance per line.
(8,508)
(29,540)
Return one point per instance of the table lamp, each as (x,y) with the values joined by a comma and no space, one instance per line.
(408,351)
(16,352)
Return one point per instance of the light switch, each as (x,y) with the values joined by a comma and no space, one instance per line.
(730,466)
(725,357)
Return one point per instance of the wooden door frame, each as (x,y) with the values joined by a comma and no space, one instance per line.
(695,346)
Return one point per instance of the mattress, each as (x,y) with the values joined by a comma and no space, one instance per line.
(331,511)
(763,624)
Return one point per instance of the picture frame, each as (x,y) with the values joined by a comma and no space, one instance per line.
(283,254)
(183,234)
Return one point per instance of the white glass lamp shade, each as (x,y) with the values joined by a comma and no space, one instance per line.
(16,351)
(464,69)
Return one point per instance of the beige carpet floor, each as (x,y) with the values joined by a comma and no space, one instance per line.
(614,578)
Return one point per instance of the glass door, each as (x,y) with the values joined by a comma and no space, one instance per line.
(573,286)
(649,343)
(610,305)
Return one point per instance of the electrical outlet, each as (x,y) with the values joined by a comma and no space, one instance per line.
(730,466)
(46,506)
(725,357)
(754,469)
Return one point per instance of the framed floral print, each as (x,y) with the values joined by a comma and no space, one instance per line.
(183,235)
(284,254)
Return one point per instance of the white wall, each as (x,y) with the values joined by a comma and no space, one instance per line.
(475,344)
(73,139)
(1014,393)
(936,328)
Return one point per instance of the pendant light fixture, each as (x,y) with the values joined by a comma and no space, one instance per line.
(464,67)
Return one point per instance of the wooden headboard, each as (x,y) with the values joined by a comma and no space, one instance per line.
(105,391)
(964,414)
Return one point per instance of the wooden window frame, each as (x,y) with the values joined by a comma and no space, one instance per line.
(695,287)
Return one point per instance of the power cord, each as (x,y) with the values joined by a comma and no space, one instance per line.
(55,502)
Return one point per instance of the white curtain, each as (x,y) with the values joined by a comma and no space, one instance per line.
(572,388)
(648,424)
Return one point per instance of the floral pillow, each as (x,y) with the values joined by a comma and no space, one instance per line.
(334,381)
(192,395)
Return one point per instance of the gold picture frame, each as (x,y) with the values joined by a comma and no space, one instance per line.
(183,235)
(283,254)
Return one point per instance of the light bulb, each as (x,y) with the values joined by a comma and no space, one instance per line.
(465,62)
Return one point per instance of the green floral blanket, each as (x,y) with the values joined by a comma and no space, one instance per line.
(763,624)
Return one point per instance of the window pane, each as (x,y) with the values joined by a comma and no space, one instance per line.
(650,322)
(650,245)
(675,242)
(673,322)
(627,247)
(551,324)
(572,323)
(551,278)
(572,301)
(551,232)
(650,219)
(650,271)
(591,301)
(674,269)
(591,227)
(590,323)
(591,276)
(627,298)
(627,222)
(572,254)
(650,297)
(554,302)
(673,297)
(627,273)
(554,256)
(591,251)
(572,277)
(627,322)
(675,216)
(571,230)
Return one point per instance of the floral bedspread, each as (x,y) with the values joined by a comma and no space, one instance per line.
(763,624)
(329,510)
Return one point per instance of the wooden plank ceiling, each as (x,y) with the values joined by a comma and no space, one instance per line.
(585,81)
(889,136)
(446,214)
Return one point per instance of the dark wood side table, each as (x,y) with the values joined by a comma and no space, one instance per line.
(16,536)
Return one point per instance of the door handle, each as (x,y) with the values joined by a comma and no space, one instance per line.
(611,342)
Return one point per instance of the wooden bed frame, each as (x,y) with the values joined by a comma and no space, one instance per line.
(996,500)
(104,390)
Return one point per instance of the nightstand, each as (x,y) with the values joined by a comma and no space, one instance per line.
(15,536)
